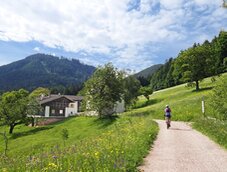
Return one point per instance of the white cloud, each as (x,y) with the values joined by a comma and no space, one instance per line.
(36,49)
(99,26)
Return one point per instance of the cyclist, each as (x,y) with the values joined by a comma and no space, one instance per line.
(167,116)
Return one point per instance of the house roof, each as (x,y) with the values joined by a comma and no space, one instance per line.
(53,97)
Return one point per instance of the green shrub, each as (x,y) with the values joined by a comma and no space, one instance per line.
(218,99)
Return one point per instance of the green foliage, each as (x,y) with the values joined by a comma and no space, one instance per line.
(117,144)
(44,70)
(146,73)
(39,92)
(5,138)
(195,64)
(144,81)
(218,100)
(17,107)
(64,134)
(163,78)
(104,89)
(13,108)
(224,4)
(215,129)
(131,87)
(146,92)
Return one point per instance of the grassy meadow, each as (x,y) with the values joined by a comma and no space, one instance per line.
(186,105)
(115,144)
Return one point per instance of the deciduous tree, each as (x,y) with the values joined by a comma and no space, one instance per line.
(131,87)
(13,108)
(104,89)
(146,92)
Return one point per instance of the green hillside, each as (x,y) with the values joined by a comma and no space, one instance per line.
(115,144)
(146,73)
(41,70)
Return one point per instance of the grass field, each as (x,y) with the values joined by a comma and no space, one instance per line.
(186,105)
(184,102)
(116,144)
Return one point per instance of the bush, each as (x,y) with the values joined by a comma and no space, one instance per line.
(218,100)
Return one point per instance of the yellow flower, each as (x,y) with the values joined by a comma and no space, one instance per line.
(52,165)
(4,170)
(97,154)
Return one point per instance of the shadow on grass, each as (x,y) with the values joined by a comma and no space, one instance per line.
(30,132)
(203,89)
(147,103)
(105,121)
(62,120)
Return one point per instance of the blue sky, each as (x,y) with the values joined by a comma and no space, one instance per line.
(132,34)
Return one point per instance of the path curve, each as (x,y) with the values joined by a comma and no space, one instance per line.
(183,149)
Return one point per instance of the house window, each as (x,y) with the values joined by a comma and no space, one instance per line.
(61,111)
(52,111)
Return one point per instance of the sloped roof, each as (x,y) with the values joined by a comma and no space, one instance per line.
(53,97)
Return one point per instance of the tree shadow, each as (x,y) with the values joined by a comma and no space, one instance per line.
(30,132)
(104,122)
(61,120)
(203,89)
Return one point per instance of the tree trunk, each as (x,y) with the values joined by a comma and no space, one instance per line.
(33,121)
(197,85)
(11,128)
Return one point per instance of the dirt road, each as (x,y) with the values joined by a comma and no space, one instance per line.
(182,149)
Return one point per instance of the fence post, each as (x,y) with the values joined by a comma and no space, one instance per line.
(203,106)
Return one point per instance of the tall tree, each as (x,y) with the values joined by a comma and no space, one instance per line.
(195,64)
(13,108)
(131,87)
(104,89)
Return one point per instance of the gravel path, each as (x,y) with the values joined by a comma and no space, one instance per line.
(182,149)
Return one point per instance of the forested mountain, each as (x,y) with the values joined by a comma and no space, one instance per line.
(193,64)
(148,71)
(144,75)
(41,70)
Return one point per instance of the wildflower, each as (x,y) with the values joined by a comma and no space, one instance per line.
(4,170)
(52,166)
(97,155)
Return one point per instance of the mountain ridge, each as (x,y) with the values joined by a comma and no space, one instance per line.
(43,70)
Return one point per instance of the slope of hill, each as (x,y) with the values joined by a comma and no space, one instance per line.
(95,144)
(43,70)
(148,71)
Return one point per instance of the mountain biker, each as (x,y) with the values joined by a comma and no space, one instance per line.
(167,116)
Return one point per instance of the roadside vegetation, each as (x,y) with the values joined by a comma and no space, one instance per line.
(112,144)
(185,103)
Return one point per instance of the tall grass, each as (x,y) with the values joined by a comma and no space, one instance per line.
(215,129)
(120,147)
